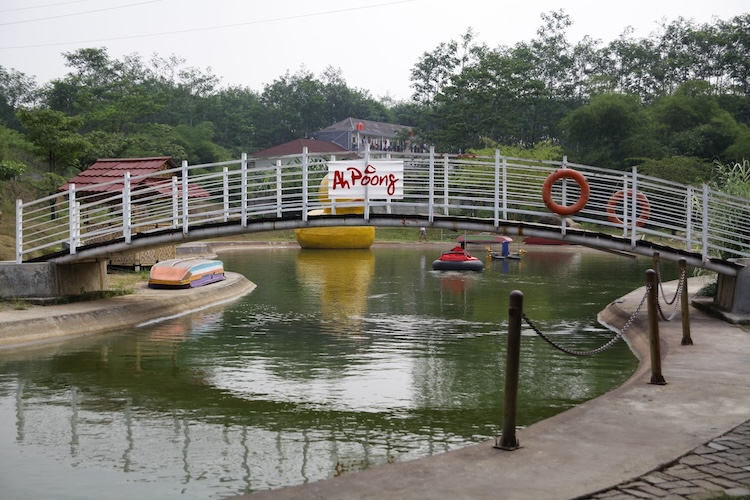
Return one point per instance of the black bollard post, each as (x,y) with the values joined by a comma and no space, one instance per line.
(512,361)
(653,328)
(685,306)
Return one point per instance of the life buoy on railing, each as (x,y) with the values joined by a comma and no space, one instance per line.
(570,174)
(643,204)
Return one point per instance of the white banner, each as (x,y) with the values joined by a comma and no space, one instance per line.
(352,179)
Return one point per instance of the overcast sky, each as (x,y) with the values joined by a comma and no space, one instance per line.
(375,43)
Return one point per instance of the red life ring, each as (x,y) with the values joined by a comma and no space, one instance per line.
(643,203)
(560,174)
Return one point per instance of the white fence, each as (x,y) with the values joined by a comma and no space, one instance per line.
(493,189)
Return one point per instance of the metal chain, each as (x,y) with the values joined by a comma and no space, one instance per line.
(675,300)
(604,347)
(661,284)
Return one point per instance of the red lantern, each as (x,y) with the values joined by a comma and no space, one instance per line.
(360,126)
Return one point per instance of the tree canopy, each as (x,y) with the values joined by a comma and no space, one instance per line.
(681,93)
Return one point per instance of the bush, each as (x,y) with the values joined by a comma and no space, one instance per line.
(11,169)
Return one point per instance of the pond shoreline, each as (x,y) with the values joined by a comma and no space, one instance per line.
(44,324)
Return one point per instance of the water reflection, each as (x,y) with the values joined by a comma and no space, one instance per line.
(341,278)
(336,362)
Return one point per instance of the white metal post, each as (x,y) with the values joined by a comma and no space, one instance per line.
(279,191)
(625,204)
(175,203)
(431,182)
(72,218)
(225,180)
(505,189)
(243,192)
(633,207)
(563,218)
(497,188)
(704,242)
(446,193)
(367,191)
(126,207)
(75,227)
(19,231)
(185,207)
(304,184)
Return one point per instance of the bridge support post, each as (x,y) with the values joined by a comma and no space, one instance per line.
(47,279)
(732,299)
(508,439)
(653,328)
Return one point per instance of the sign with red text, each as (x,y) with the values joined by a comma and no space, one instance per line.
(374,180)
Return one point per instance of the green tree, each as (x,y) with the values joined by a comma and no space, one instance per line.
(608,131)
(156,139)
(55,137)
(16,90)
(736,56)
(234,112)
(691,122)
(198,144)
(682,169)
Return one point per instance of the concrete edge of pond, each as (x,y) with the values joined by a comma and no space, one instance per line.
(45,324)
(620,436)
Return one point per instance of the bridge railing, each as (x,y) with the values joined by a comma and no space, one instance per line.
(492,188)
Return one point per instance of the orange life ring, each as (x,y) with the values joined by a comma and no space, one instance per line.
(643,203)
(571,174)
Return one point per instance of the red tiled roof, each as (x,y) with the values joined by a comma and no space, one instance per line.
(112,171)
(295,147)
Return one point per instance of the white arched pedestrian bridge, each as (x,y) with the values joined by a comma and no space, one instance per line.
(493,194)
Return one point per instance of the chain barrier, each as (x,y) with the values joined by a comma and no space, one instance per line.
(676,299)
(604,347)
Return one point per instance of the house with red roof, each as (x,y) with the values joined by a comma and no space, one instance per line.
(107,176)
(295,147)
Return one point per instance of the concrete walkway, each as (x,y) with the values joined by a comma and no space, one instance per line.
(624,444)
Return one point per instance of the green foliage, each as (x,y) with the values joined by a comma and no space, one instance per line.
(683,169)
(541,151)
(11,169)
(732,178)
(16,89)
(48,183)
(54,136)
(741,147)
(690,122)
(608,131)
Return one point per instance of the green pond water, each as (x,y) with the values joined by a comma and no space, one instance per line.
(337,361)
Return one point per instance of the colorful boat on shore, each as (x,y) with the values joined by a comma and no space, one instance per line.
(189,272)
(457,259)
